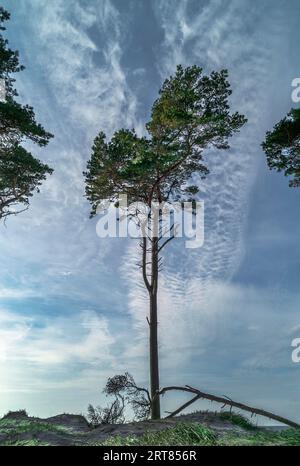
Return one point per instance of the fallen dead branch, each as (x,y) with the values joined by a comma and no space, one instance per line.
(225,401)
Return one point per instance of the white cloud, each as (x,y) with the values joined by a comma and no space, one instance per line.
(84,338)
(16,293)
(59,358)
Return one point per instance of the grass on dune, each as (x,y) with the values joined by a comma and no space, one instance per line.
(24,443)
(15,427)
(288,437)
(194,434)
(237,420)
(181,434)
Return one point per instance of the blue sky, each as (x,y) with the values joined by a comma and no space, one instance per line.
(72,306)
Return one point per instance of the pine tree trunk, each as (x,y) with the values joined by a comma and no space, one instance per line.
(154,368)
(152,287)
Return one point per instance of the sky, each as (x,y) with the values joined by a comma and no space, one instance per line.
(72,305)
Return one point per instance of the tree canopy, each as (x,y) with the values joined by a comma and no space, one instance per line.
(282,147)
(20,172)
(190,115)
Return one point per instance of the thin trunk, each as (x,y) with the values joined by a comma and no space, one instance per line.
(152,287)
(154,368)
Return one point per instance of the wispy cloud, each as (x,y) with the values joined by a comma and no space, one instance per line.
(213,37)
(77,85)
(85,90)
(17,293)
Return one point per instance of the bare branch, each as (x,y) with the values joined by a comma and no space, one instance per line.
(228,402)
(182,407)
(165,243)
(144,264)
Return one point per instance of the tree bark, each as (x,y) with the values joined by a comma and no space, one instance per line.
(153,337)
(151,283)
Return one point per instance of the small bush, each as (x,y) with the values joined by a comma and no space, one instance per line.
(112,414)
(20,414)
(125,392)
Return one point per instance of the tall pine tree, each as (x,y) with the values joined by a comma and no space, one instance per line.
(190,115)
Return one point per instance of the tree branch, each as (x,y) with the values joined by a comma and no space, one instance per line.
(144,264)
(182,407)
(225,401)
(165,243)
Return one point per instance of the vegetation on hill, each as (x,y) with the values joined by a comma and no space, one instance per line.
(200,428)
